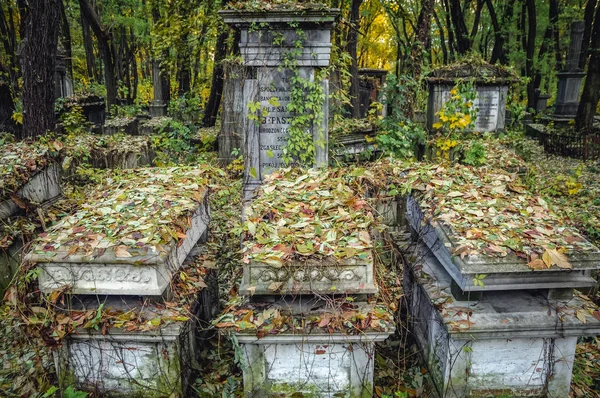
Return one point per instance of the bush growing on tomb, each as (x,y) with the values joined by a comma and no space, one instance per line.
(398,135)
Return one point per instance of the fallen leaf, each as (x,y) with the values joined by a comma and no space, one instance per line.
(537,264)
(275,286)
(121,252)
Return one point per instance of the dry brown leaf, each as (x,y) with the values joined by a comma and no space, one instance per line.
(121,252)
(536,264)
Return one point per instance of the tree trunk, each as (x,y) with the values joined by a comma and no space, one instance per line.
(463,41)
(500,35)
(531,30)
(587,32)
(106,52)
(7,106)
(591,89)
(442,38)
(352,51)
(38,49)
(66,38)
(211,110)
(88,45)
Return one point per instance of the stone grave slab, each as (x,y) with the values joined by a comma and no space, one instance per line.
(121,363)
(41,187)
(129,237)
(517,344)
(501,273)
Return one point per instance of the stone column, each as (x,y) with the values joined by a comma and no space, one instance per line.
(570,80)
(158,107)
(276,47)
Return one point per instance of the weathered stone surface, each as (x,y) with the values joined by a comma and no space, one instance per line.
(321,365)
(41,187)
(517,344)
(123,364)
(351,276)
(508,273)
(147,275)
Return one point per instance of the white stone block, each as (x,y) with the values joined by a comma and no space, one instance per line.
(148,364)
(502,273)
(350,276)
(320,365)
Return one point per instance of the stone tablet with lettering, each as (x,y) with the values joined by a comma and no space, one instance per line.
(487,103)
(276,45)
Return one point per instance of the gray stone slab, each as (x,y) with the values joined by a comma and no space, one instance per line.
(491,102)
(514,343)
(508,273)
(146,275)
(41,187)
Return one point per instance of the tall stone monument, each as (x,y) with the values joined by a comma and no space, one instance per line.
(158,107)
(283,50)
(570,79)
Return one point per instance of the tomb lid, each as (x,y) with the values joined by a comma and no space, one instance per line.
(501,315)
(478,70)
(487,217)
(136,217)
(308,317)
(300,215)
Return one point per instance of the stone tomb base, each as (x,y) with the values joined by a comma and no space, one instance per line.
(156,363)
(513,343)
(319,365)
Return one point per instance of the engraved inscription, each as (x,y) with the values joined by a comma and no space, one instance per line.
(488,103)
(274,96)
(308,275)
(95,274)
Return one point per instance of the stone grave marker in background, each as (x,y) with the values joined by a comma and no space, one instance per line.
(158,107)
(570,79)
(274,45)
(491,83)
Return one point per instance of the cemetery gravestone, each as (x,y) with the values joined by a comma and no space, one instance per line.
(569,80)
(283,51)
(158,108)
(491,84)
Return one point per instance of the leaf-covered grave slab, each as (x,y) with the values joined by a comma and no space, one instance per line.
(489,212)
(136,213)
(300,215)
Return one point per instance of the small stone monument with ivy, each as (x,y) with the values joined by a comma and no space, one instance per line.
(491,83)
(285,95)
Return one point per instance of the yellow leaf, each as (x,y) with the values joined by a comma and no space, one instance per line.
(581,316)
(547,259)
(559,259)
